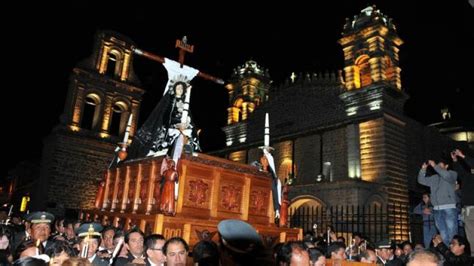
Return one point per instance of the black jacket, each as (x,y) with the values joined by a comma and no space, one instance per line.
(464,168)
(451,259)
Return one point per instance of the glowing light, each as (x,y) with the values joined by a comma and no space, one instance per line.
(351,111)
(74,128)
(356,77)
(375,105)
(228,143)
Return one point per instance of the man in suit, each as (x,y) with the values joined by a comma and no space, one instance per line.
(154,250)
(134,243)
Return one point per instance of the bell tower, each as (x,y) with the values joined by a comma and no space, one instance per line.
(372,73)
(103,92)
(373,101)
(247,89)
(371,44)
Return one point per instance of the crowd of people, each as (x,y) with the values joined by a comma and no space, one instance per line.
(448,209)
(42,240)
(448,215)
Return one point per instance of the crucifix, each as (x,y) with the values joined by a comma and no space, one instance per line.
(173,132)
(183,48)
(162,60)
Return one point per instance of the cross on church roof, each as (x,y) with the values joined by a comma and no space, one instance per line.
(183,48)
(293,77)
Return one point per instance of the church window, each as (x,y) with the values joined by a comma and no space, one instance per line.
(111,65)
(119,118)
(362,72)
(91,110)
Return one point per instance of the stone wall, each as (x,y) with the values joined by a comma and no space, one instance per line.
(341,193)
(71,167)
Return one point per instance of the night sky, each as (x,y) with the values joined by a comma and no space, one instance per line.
(43,44)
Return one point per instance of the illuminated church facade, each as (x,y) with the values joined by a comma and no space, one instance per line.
(342,136)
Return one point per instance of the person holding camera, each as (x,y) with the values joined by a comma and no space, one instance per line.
(443,196)
(464,166)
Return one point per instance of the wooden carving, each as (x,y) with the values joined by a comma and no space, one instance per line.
(119,197)
(258,201)
(170,232)
(130,195)
(167,201)
(230,197)
(205,235)
(285,203)
(143,194)
(198,193)
(157,192)
(100,194)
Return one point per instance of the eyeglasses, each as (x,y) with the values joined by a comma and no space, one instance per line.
(160,249)
(176,253)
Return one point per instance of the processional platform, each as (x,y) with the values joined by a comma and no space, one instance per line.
(211,189)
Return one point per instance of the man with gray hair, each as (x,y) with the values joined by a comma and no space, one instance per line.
(423,258)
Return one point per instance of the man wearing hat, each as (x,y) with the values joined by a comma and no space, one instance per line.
(89,241)
(40,227)
(239,242)
(384,252)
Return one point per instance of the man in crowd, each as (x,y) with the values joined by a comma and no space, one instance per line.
(464,166)
(134,241)
(176,251)
(385,256)
(457,253)
(154,250)
(40,227)
(423,258)
(443,196)
(89,241)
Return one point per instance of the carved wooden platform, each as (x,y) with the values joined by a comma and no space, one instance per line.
(211,189)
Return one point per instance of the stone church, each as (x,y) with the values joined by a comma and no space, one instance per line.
(341,138)
(334,134)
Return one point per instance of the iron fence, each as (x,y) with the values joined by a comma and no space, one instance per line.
(375,223)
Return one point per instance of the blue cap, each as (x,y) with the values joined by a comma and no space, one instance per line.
(89,229)
(239,236)
(40,217)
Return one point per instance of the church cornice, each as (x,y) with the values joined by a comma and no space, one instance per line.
(96,79)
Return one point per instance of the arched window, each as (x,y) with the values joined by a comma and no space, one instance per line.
(111,65)
(362,76)
(237,117)
(119,118)
(90,112)
(114,59)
